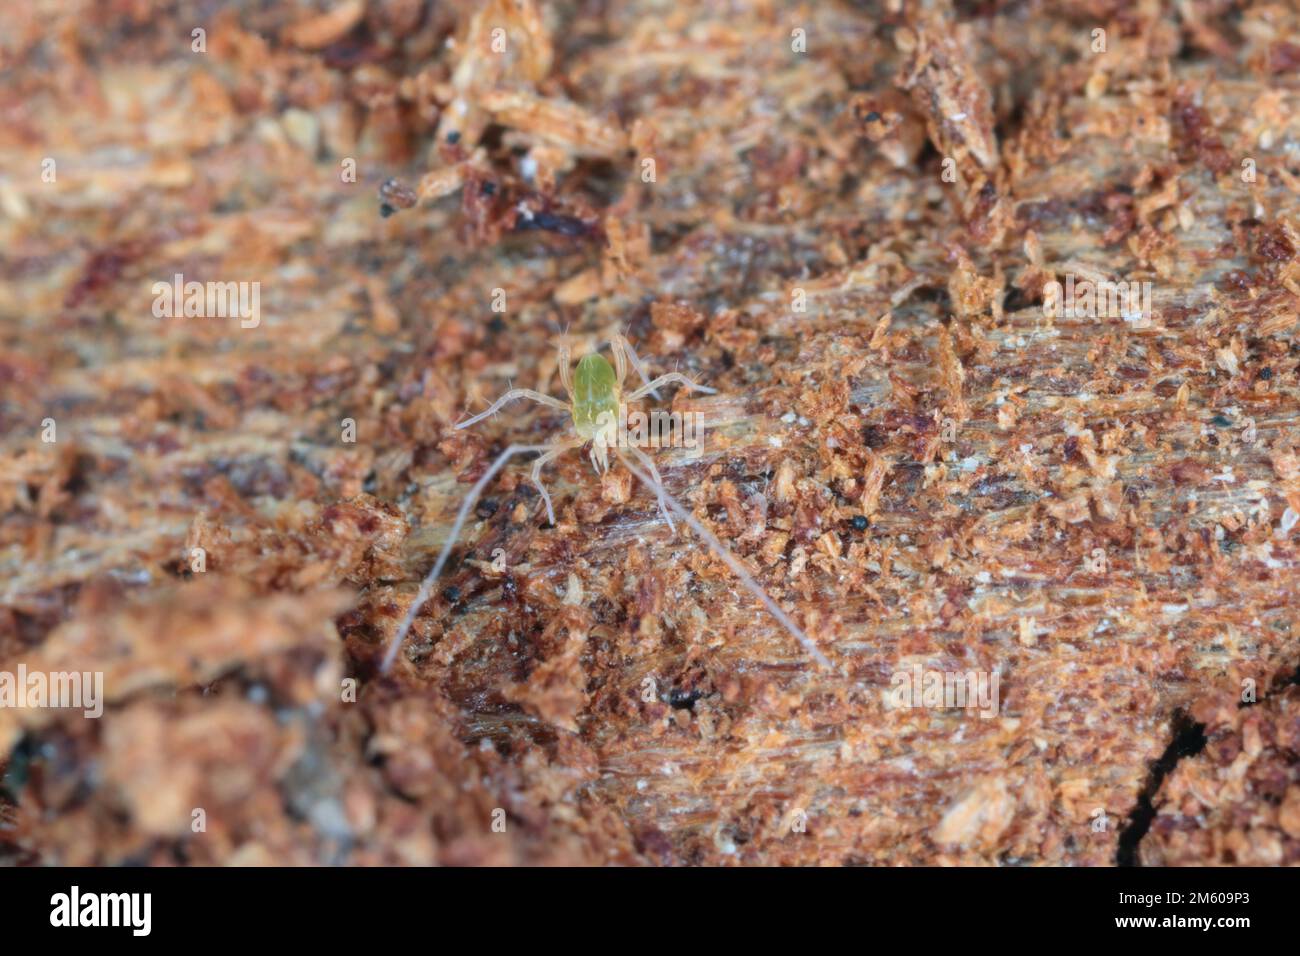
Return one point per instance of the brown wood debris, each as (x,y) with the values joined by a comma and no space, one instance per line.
(931,473)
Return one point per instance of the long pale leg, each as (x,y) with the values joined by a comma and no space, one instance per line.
(426,587)
(730,560)
(616,348)
(510,396)
(565,359)
(556,449)
(635,362)
(648,463)
(668,379)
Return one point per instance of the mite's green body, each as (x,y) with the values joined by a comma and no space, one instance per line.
(595,396)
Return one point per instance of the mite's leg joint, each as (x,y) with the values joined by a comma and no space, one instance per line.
(668,379)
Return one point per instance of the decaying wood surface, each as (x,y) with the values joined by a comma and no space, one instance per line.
(914,460)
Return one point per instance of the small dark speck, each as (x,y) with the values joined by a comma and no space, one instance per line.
(488,189)
(386,210)
(497,325)
(553,222)
(683,699)
(453,136)
(1266,373)
(1222,422)
(452,594)
(486,508)
(873,117)
(860,523)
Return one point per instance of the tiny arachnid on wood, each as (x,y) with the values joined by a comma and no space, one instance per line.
(595,390)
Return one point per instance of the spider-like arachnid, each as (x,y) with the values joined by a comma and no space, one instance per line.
(595,392)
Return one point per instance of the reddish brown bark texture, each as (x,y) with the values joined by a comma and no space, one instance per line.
(908,455)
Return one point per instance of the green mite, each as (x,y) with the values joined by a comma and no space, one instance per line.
(595,390)
(595,396)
